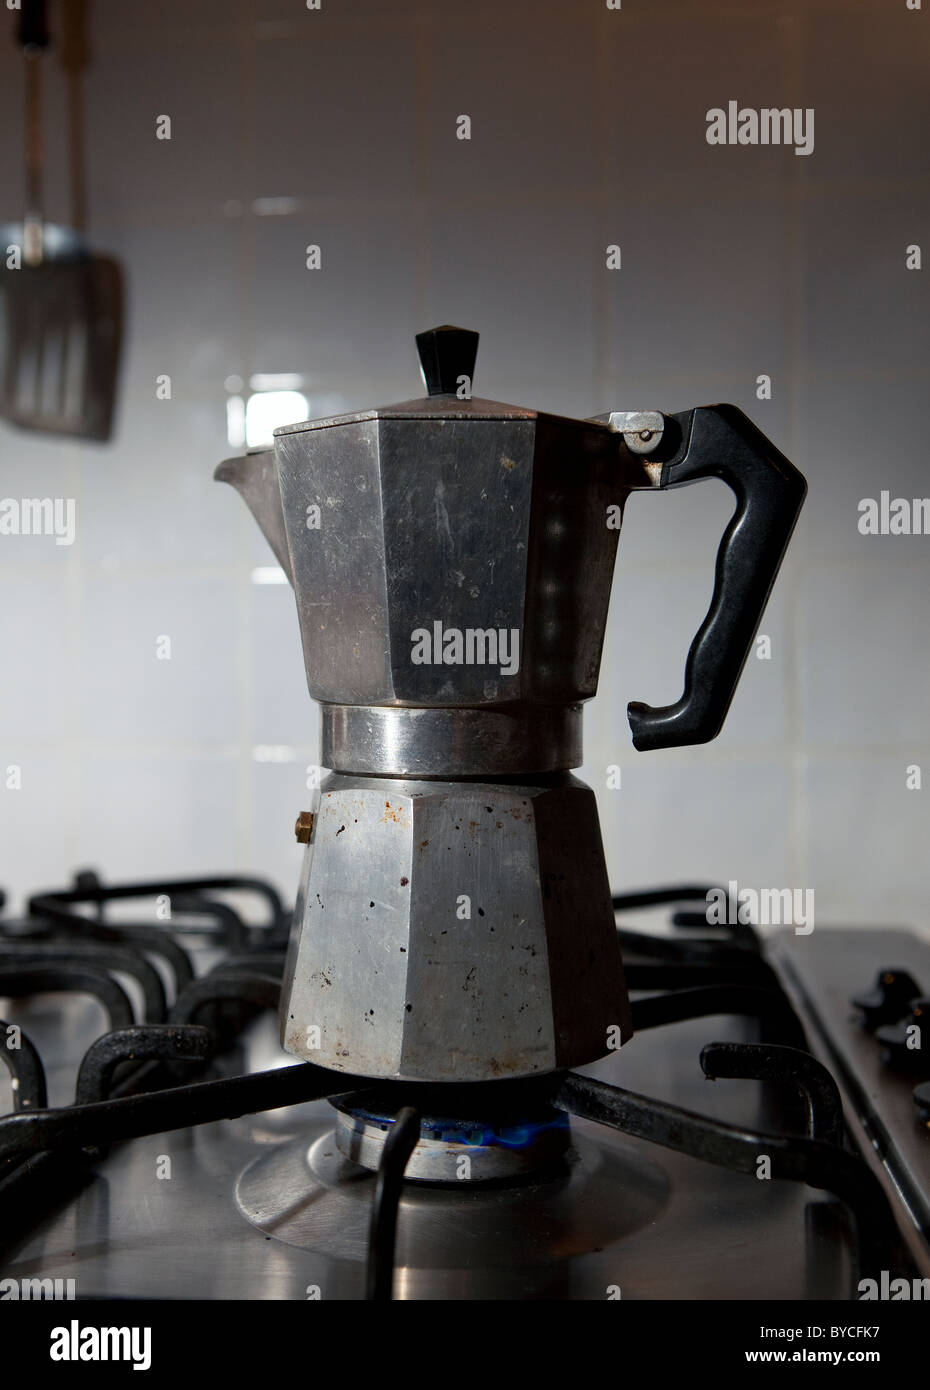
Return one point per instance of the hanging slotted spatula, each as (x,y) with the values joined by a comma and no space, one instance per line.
(61,306)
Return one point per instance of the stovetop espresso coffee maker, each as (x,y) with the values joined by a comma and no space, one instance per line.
(452,561)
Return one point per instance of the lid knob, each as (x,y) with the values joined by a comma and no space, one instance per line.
(446,355)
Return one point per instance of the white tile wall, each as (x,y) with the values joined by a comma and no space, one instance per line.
(705,821)
(157,659)
(866,671)
(867,834)
(137,809)
(588,128)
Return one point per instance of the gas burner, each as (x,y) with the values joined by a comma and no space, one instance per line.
(466,1133)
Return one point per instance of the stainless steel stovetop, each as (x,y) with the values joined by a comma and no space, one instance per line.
(266,1206)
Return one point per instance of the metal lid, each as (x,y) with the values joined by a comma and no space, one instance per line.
(447,363)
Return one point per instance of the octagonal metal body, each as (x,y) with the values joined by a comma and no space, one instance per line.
(400,519)
(454,931)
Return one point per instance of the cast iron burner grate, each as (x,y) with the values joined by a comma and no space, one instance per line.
(131,1081)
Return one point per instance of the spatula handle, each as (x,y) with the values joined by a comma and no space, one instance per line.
(32,33)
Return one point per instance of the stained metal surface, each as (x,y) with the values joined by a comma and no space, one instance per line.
(448,931)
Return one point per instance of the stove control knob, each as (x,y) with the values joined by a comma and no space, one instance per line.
(888,999)
(922,1101)
(447,360)
(907,1042)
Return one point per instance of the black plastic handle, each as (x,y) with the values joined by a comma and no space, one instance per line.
(719,441)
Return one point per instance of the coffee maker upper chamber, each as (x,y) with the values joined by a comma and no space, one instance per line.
(452,560)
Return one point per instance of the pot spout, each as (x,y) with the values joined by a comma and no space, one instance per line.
(255,478)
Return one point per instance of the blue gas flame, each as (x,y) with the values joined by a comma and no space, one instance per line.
(479,1136)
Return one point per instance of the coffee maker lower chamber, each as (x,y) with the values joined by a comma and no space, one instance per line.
(454,931)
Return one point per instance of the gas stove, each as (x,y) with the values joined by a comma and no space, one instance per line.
(161,1145)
